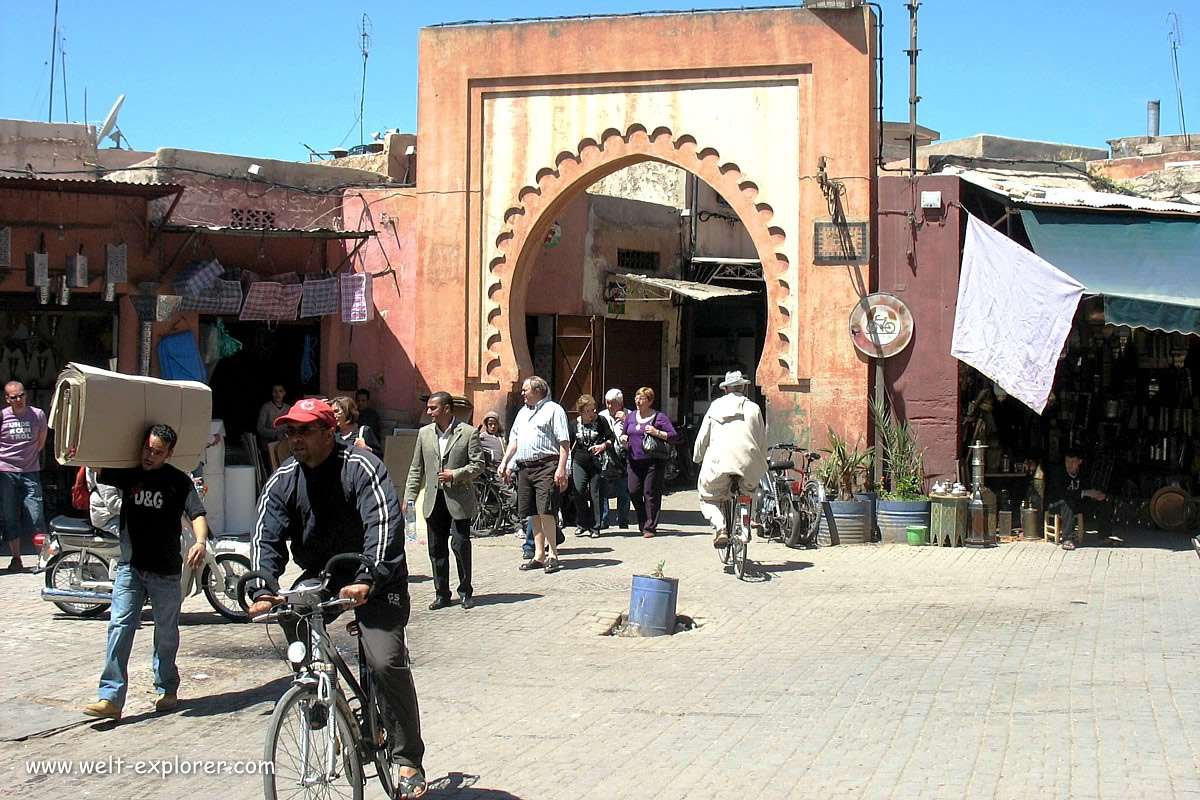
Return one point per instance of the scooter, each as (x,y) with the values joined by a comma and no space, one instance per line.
(80,563)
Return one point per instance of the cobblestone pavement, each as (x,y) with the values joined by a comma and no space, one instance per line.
(874,671)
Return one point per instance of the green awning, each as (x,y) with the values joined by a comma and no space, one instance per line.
(1147,268)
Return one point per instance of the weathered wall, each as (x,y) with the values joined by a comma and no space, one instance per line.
(382,347)
(747,100)
(57,147)
(649,181)
(920,265)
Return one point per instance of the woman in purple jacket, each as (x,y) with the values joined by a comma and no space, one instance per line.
(645,473)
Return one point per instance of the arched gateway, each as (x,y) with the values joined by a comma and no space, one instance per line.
(516,119)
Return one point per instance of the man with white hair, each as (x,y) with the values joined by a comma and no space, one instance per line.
(731,443)
(614,412)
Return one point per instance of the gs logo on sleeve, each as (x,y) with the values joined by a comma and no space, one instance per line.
(147,499)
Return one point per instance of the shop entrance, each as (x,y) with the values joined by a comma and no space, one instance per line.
(1124,398)
(287,353)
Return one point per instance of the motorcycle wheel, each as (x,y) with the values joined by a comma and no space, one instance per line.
(221,587)
(61,572)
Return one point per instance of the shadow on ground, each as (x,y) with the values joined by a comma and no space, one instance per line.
(461,785)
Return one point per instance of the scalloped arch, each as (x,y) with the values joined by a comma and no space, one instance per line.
(508,274)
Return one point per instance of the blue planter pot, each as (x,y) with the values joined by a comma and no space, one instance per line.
(845,522)
(652,604)
(894,517)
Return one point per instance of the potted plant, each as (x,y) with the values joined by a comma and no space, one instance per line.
(844,469)
(902,498)
(652,603)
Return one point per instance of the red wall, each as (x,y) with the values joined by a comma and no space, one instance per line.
(920,265)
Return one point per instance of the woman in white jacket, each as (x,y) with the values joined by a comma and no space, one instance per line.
(732,441)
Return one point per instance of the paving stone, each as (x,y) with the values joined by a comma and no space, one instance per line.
(874,671)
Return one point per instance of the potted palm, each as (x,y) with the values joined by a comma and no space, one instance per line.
(844,468)
(902,498)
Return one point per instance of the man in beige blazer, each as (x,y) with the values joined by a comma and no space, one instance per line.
(447,460)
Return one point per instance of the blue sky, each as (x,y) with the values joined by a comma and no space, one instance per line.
(260,78)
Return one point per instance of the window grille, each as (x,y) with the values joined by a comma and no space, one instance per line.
(255,219)
(638,260)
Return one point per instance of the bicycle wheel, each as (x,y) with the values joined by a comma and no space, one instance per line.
(740,538)
(312,748)
(487,512)
(808,518)
(726,553)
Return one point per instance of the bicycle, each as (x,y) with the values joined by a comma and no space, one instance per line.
(737,524)
(318,739)
(809,497)
(496,506)
(775,508)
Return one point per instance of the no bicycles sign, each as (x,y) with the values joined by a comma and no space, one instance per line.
(881,325)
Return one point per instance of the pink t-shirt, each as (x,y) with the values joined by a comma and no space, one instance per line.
(19,436)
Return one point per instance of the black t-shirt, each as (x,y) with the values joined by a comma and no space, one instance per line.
(152,504)
(587,437)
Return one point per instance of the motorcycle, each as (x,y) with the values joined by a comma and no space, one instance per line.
(80,563)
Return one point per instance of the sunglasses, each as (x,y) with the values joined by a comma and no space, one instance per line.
(17,396)
(304,430)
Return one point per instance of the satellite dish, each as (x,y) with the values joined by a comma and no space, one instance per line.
(110,121)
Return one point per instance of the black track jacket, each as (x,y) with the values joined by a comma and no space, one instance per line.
(347,504)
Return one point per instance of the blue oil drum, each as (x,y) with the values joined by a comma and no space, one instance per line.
(652,603)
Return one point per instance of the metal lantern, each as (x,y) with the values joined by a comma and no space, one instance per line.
(37,270)
(77,271)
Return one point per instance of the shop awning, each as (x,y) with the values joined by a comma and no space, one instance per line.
(1146,268)
(662,288)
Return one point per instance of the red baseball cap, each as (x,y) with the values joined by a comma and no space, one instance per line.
(308,410)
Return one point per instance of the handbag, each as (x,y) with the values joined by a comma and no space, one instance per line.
(655,448)
(611,465)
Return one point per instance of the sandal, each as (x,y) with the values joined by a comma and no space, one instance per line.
(1069,544)
(552,565)
(531,564)
(410,786)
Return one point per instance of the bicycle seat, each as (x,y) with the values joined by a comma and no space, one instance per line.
(779,466)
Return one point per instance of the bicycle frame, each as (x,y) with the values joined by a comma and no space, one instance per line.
(321,667)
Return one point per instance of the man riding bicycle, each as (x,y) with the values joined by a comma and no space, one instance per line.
(731,443)
(331,499)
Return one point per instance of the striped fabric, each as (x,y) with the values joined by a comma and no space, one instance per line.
(268,300)
(197,276)
(223,297)
(358,302)
(539,430)
(321,296)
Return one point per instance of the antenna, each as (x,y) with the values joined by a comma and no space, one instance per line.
(1175,37)
(110,122)
(62,54)
(364,34)
(53,62)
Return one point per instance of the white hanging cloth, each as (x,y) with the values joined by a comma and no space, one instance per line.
(1014,314)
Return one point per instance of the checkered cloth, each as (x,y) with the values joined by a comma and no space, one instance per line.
(197,276)
(223,297)
(271,301)
(320,296)
(358,302)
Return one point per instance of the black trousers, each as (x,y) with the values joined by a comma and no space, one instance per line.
(442,529)
(381,622)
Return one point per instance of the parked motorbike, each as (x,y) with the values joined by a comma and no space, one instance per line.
(80,563)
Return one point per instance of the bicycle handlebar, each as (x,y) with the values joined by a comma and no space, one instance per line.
(272,584)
